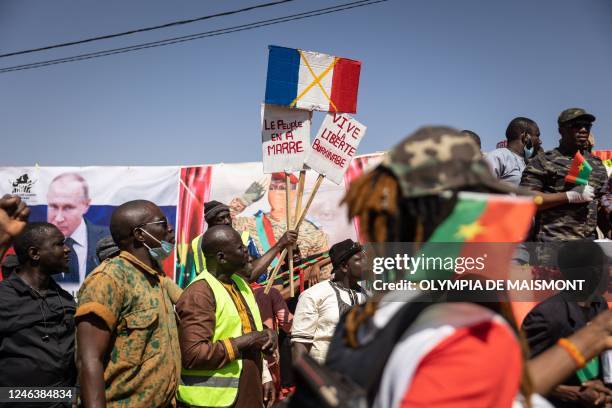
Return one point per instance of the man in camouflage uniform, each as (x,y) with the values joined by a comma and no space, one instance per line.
(128,348)
(567,211)
(267,228)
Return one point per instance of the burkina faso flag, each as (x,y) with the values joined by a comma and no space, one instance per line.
(579,171)
(480,218)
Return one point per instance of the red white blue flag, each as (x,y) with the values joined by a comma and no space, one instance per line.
(311,80)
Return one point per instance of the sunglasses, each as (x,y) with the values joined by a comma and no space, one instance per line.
(163,223)
(579,125)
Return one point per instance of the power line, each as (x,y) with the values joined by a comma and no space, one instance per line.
(142,30)
(176,40)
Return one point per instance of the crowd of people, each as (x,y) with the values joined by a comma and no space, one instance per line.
(133,338)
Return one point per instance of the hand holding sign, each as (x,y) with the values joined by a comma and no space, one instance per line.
(301,218)
(314,81)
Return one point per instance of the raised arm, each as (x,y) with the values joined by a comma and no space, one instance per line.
(13,218)
(260,265)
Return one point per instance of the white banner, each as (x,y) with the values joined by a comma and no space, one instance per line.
(80,201)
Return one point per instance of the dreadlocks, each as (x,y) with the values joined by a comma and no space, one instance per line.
(385,216)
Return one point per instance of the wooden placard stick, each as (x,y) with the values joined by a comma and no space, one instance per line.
(300,193)
(283,254)
(309,202)
(272,276)
(288,224)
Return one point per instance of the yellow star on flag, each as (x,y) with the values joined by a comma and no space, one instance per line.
(581,167)
(469,231)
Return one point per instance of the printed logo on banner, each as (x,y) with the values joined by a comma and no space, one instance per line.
(22,186)
(335,145)
(285,136)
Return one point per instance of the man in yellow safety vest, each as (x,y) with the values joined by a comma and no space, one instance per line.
(220,331)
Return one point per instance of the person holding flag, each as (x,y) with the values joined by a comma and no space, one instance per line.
(570,180)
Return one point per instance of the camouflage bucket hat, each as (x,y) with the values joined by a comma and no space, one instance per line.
(436,159)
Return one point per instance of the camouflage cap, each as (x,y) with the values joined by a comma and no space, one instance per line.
(574,113)
(436,159)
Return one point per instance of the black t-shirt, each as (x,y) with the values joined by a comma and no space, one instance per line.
(558,317)
(37,336)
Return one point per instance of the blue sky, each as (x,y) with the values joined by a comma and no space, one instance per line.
(468,64)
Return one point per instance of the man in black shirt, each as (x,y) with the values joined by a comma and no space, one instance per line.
(37,315)
(567,312)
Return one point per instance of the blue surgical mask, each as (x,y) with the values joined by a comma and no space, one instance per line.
(163,251)
(528,148)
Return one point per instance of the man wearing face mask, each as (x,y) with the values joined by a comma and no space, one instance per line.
(566,211)
(507,163)
(128,351)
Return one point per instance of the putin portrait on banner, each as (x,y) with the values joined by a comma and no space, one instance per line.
(67,202)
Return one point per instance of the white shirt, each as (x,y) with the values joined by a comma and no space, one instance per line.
(316,316)
(80,248)
(506,165)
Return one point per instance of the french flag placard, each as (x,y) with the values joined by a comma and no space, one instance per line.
(311,80)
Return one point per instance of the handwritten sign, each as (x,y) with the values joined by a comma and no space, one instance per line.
(285,136)
(335,145)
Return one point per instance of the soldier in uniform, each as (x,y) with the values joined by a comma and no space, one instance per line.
(267,228)
(567,211)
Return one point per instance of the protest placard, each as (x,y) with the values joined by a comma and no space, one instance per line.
(335,145)
(285,137)
(331,153)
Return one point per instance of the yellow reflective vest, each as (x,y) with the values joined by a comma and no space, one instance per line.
(219,388)
(198,256)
